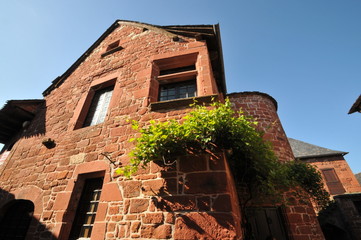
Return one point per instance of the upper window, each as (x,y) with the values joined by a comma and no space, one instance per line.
(177,77)
(99,106)
(178,90)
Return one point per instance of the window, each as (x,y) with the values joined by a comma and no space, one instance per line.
(94,104)
(16,220)
(177,83)
(87,208)
(178,90)
(112,48)
(176,77)
(333,183)
(99,106)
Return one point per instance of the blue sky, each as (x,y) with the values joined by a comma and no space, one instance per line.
(306,54)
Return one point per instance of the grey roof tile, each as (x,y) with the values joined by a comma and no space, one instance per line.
(304,150)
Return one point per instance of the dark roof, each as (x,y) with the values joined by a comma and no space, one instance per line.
(14,114)
(210,33)
(356,107)
(306,150)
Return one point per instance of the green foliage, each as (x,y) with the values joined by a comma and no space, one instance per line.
(219,127)
(310,180)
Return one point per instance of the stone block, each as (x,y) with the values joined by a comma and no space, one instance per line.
(206,183)
(204,226)
(111,192)
(131,188)
(193,163)
(78,158)
(153,218)
(138,205)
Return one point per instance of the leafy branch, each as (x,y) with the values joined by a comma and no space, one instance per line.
(210,129)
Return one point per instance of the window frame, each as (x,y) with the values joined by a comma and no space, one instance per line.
(82,109)
(96,103)
(112,48)
(84,201)
(177,88)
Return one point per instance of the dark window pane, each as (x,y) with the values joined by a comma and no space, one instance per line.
(177,90)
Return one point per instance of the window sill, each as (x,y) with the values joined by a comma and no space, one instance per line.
(183,102)
(112,51)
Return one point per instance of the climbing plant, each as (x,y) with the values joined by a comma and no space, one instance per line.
(254,165)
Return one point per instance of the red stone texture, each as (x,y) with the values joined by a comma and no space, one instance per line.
(194,198)
(301,220)
(342,170)
(263,109)
(203,225)
(350,213)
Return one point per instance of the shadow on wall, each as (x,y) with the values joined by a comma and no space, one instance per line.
(195,191)
(37,126)
(21,118)
(17,220)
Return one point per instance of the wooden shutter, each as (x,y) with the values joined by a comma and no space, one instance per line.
(332,181)
(266,223)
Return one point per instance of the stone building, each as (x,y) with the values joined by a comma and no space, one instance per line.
(58,164)
(336,173)
(343,219)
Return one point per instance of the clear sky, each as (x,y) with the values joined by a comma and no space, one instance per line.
(306,54)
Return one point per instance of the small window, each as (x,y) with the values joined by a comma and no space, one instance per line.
(87,208)
(332,181)
(99,106)
(112,48)
(178,90)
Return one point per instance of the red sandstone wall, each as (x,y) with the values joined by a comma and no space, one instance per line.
(264,109)
(342,169)
(189,201)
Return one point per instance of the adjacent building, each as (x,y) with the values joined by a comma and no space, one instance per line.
(343,219)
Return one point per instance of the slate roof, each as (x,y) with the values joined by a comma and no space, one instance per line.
(356,107)
(306,150)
